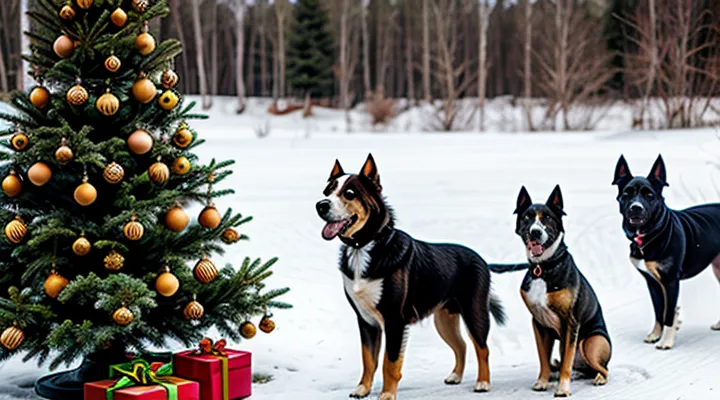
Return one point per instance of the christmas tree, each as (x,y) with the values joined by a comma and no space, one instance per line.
(310,62)
(97,254)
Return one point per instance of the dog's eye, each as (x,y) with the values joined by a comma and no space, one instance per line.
(526,217)
(349,194)
(649,194)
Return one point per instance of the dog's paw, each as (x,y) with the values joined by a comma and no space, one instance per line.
(715,326)
(652,337)
(360,392)
(540,385)
(481,387)
(563,389)
(664,345)
(453,379)
(387,396)
(599,380)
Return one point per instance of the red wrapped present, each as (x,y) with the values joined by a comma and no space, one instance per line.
(139,380)
(223,374)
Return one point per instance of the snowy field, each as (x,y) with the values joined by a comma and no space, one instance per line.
(460,188)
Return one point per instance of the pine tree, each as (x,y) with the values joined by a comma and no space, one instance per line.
(310,61)
(99,169)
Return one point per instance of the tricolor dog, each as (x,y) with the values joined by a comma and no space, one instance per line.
(666,245)
(392,281)
(562,302)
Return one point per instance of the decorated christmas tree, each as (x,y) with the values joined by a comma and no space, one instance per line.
(98,256)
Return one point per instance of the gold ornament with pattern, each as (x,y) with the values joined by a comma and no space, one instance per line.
(169,79)
(133,230)
(159,173)
(248,330)
(205,271)
(230,236)
(85,194)
(81,246)
(182,137)
(108,104)
(16,230)
(140,5)
(113,173)
(12,337)
(194,310)
(54,284)
(84,4)
(113,63)
(181,166)
(20,141)
(64,153)
(67,12)
(12,185)
(118,17)
(123,316)
(266,324)
(176,219)
(168,100)
(40,97)
(114,261)
(167,284)
(77,95)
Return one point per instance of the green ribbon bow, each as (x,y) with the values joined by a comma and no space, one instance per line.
(140,373)
(217,349)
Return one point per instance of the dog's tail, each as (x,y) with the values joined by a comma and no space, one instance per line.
(497,310)
(502,268)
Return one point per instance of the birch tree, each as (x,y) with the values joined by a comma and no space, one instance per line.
(238,9)
(200,53)
(426,51)
(281,9)
(483,12)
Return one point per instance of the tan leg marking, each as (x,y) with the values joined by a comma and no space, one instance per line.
(448,326)
(595,350)
(392,373)
(369,367)
(483,355)
(652,266)
(544,343)
(561,302)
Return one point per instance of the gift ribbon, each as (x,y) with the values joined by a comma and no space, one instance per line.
(141,373)
(217,349)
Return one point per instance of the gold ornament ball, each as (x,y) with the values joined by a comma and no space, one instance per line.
(54,284)
(85,194)
(230,236)
(145,43)
(39,174)
(12,337)
(108,104)
(182,137)
(194,310)
(133,230)
(67,13)
(167,284)
(159,173)
(19,141)
(40,97)
(114,261)
(118,17)
(77,95)
(113,173)
(210,217)
(181,166)
(266,324)
(63,46)
(168,100)
(140,142)
(205,271)
(12,185)
(123,316)
(81,246)
(112,64)
(248,330)
(84,4)
(63,154)
(140,5)
(144,90)
(176,219)
(169,79)
(15,230)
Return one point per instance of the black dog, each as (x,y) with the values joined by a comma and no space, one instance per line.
(563,305)
(666,245)
(392,280)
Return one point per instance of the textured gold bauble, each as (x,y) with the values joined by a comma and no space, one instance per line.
(81,246)
(67,13)
(194,310)
(113,173)
(12,337)
(133,230)
(64,153)
(123,316)
(140,142)
(63,46)
(140,5)
(168,100)
(113,64)
(144,90)
(169,79)
(205,271)
(40,97)
(118,17)
(248,330)
(266,324)
(85,194)
(114,261)
(145,43)
(167,284)
(39,173)
(182,137)
(159,173)
(20,141)
(54,284)
(108,104)
(84,4)
(230,236)
(12,185)
(210,217)
(77,95)
(15,230)
(176,219)
(181,166)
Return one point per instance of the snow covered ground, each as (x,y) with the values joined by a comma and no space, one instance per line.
(460,188)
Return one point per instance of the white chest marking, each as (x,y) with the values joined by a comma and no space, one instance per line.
(536,298)
(364,293)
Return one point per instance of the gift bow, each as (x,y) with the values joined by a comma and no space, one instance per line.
(217,349)
(142,373)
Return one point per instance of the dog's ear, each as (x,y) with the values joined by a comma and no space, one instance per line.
(337,171)
(555,201)
(523,201)
(370,171)
(622,173)
(657,173)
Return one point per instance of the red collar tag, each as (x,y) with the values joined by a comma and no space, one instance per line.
(537,271)
(639,238)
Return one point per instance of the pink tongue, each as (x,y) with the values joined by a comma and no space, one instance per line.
(332,229)
(536,249)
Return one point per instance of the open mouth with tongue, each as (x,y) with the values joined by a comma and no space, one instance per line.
(535,248)
(637,220)
(334,228)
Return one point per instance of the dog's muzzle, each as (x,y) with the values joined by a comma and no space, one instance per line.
(323,208)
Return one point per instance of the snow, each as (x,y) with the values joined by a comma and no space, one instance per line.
(462,188)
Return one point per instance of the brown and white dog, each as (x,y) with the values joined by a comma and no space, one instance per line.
(392,281)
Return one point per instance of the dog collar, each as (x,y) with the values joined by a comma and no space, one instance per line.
(537,271)
(639,238)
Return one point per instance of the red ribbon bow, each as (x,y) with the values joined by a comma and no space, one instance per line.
(208,347)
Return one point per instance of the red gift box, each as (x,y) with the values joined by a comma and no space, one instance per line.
(207,369)
(187,390)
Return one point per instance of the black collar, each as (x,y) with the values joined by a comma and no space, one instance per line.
(542,268)
(383,235)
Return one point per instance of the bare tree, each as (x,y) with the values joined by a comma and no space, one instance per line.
(483,11)
(426,51)
(527,64)
(366,50)
(199,53)
(263,31)
(409,53)
(281,7)
(213,49)
(238,8)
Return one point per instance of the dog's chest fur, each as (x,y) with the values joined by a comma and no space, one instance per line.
(364,293)
(536,299)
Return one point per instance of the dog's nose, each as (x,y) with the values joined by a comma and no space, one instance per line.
(636,208)
(323,207)
(535,234)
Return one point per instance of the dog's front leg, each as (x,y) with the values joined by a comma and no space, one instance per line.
(544,341)
(394,355)
(370,338)
(671,318)
(569,347)
(657,295)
